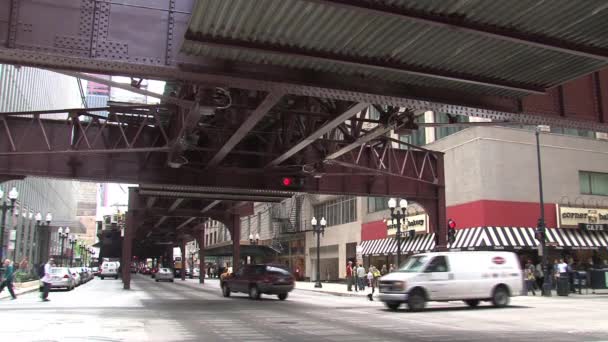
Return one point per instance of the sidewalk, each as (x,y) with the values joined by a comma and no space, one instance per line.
(336,289)
(18,291)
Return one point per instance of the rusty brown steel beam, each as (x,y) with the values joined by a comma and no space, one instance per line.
(352,111)
(463,25)
(266,105)
(361,62)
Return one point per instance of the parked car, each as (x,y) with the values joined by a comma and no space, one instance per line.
(61,277)
(447,276)
(109,269)
(164,274)
(153,272)
(196,273)
(257,280)
(75,272)
(95,271)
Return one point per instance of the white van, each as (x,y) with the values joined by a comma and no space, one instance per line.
(447,276)
(109,269)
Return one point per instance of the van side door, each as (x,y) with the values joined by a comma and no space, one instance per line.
(438,278)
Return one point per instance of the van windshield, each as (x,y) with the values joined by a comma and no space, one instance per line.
(414,264)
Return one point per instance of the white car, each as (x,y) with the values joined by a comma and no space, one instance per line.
(76,274)
(446,276)
(61,277)
(164,274)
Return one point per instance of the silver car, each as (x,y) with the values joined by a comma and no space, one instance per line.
(164,274)
(61,277)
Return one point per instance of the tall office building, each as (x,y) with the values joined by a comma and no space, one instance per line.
(28,89)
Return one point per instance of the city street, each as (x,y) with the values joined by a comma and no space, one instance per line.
(186,311)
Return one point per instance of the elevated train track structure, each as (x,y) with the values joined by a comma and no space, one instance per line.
(261,90)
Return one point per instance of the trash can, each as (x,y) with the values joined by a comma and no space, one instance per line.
(563,284)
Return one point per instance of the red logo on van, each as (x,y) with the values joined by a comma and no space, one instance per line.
(498,260)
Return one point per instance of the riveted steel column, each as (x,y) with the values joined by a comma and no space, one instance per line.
(201,255)
(441,221)
(236,241)
(182,247)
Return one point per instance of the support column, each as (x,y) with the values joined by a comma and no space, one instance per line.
(236,242)
(441,221)
(127,249)
(182,247)
(201,255)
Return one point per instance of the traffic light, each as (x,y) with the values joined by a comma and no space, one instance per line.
(291,182)
(451,231)
(411,233)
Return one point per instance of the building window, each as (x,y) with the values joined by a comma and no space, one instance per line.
(593,183)
(376,204)
(339,211)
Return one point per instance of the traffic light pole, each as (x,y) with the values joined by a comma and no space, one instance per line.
(546,290)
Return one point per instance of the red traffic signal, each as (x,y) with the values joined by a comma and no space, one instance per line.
(291,182)
(451,224)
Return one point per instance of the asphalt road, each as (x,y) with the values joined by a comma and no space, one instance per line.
(186,311)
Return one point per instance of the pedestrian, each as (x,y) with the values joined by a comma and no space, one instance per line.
(46,280)
(529,280)
(539,275)
(24,264)
(361,275)
(349,276)
(370,284)
(9,272)
(391,268)
(376,274)
(384,270)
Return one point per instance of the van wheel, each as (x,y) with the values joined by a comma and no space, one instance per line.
(101,278)
(472,302)
(254,293)
(392,305)
(282,296)
(416,301)
(116,277)
(225,291)
(156,280)
(500,297)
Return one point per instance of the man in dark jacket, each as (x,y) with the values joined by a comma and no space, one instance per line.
(9,273)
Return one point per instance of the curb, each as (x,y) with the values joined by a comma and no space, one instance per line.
(27,290)
(339,294)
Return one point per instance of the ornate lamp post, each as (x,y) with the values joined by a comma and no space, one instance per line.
(90,253)
(63,235)
(40,223)
(254,240)
(398,217)
(318,229)
(540,230)
(12,196)
(72,241)
(81,249)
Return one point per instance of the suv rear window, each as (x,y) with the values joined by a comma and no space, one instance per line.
(277,270)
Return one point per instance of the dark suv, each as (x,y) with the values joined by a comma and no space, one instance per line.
(256,280)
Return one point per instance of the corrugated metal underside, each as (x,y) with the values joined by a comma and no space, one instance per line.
(323,28)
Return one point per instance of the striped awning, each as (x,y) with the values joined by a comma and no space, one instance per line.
(523,237)
(419,243)
(492,238)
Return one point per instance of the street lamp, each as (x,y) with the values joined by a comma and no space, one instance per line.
(546,290)
(253,241)
(90,253)
(397,218)
(318,229)
(40,223)
(72,240)
(63,234)
(12,196)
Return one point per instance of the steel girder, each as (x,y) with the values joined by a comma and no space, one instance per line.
(113,38)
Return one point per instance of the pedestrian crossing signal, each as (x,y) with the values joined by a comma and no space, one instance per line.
(451,231)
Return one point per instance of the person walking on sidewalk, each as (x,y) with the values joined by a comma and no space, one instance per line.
(530,281)
(46,280)
(349,276)
(384,270)
(361,275)
(370,283)
(9,272)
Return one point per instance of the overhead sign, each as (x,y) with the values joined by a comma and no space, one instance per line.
(572,217)
(593,227)
(419,223)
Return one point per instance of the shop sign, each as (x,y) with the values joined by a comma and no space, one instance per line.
(593,227)
(571,217)
(419,223)
(359,250)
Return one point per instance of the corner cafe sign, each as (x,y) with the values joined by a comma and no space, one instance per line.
(419,223)
(569,217)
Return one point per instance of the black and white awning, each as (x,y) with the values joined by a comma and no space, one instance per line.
(419,243)
(492,238)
